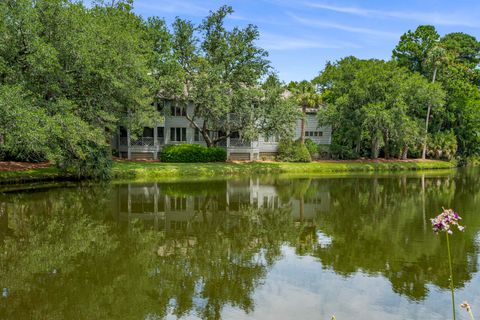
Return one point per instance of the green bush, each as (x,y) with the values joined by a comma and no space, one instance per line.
(77,148)
(340,152)
(215,154)
(312,147)
(192,153)
(293,151)
(442,145)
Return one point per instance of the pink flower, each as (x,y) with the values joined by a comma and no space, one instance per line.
(445,220)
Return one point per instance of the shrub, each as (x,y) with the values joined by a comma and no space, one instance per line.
(442,145)
(77,148)
(342,152)
(192,153)
(293,151)
(324,151)
(215,154)
(312,147)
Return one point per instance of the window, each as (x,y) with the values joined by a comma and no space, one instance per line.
(313,133)
(178,134)
(177,110)
(160,105)
(271,139)
(160,132)
(123,132)
(196,136)
(147,132)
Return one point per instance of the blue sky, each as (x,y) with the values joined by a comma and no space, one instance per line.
(301,36)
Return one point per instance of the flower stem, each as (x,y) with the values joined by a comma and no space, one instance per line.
(451,275)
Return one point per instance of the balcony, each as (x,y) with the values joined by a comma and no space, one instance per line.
(141,142)
(237,142)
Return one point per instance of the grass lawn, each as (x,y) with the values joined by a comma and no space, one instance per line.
(36,174)
(126,170)
(153,170)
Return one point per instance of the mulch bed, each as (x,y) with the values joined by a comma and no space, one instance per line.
(21,166)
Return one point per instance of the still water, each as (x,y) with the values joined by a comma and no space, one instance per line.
(247,248)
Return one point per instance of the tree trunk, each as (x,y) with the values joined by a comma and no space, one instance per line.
(424,151)
(404,154)
(302,127)
(302,209)
(358,145)
(386,141)
(375,148)
(205,133)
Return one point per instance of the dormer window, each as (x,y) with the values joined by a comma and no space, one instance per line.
(178,110)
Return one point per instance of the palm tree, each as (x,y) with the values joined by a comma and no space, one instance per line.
(305,96)
(436,57)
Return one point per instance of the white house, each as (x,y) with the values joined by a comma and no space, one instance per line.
(176,129)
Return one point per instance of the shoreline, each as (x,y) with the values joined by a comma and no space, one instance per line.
(137,170)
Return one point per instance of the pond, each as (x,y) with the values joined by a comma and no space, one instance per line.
(357,247)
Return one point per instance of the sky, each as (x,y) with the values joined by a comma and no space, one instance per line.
(301,36)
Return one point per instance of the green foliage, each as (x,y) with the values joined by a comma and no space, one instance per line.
(342,152)
(22,127)
(304,95)
(455,58)
(312,147)
(69,75)
(192,153)
(293,151)
(219,70)
(442,145)
(277,115)
(374,105)
(414,46)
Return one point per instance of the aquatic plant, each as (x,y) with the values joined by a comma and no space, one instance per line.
(444,223)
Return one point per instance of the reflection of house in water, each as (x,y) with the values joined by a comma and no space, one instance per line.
(174,206)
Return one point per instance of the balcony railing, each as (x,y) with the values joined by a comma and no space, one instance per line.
(142,142)
(236,142)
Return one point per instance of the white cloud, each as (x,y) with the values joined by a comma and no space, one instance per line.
(436,18)
(279,42)
(339,26)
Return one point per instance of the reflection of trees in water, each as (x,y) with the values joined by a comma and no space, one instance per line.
(221,260)
(70,253)
(378,226)
(66,259)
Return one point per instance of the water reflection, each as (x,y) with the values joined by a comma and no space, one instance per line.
(206,249)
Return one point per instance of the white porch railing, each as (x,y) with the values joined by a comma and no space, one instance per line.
(142,142)
(236,142)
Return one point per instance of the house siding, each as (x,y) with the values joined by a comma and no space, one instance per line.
(261,148)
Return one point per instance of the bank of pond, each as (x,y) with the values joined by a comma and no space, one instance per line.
(143,170)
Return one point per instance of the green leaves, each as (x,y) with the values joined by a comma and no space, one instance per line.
(414,46)
(219,70)
(451,60)
(373,104)
(74,73)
